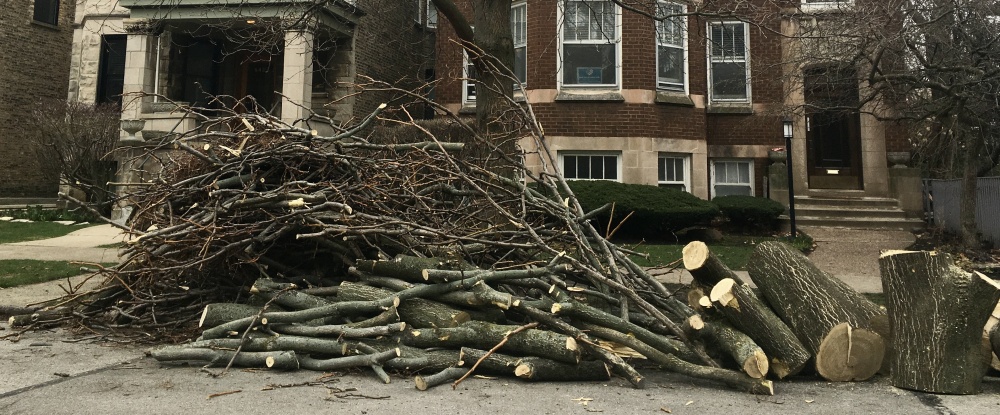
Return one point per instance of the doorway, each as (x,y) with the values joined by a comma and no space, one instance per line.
(833,128)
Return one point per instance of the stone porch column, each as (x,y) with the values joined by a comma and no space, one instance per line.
(296,85)
(140,71)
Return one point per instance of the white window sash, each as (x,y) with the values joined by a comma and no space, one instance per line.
(685,170)
(519,31)
(587,156)
(744,60)
(681,44)
(749,183)
(615,40)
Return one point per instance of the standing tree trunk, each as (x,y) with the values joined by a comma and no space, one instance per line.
(937,313)
(969,232)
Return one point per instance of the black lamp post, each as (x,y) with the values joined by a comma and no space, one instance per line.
(786,125)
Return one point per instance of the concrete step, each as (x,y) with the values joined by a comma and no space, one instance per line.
(848,212)
(899,224)
(854,202)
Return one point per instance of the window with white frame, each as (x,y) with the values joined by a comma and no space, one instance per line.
(590,42)
(432,15)
(732,177)
(591,166)
(672,171)
(519,31)
(728,52)
(468,79)
(671,53)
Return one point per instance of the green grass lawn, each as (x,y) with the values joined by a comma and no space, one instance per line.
(17,272)
(33,231)
(733,250)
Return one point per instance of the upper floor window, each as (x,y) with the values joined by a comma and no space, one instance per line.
(46,11)
(728,52)
(469,79)
(519,31)
(432,15)
(590,42)
(671,54)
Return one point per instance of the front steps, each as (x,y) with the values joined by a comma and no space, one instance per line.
(852,212)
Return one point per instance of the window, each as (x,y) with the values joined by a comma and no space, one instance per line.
(671,59)
(432,15)
(468,80)
(673,171)
(590,166)
(415,11)
(111,69)
(519,31)
(46,11)
(590,55)
(727,56)
(732,177)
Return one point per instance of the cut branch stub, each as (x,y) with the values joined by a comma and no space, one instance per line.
(937,313)
(704,267)
(747,313)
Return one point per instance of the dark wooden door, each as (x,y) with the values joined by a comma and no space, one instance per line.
(833,128)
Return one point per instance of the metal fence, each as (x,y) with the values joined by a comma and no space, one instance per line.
(942,199)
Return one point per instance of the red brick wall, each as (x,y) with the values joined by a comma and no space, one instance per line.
(34,65)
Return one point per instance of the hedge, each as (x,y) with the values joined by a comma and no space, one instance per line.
(750,211)
(657,211)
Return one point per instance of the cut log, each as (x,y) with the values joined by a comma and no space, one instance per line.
(450,374)
(417,312)
(748,314)
(991,325)
(704,267)
(809,300)
(482,335)
(339,331)
(850,354)
(13,310)
(995,342)
(344,309)
(534,369)
(411,268)
(305,345)
(937,313)
(218,313)
(341,363)
(281,360)
(750,357)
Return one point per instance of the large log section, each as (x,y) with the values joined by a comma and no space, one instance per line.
(812,303)
(937,313)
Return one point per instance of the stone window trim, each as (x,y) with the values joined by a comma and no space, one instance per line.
(593,27)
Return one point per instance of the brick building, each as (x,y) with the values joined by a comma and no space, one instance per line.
(192,50)
(35,40)
(687,102)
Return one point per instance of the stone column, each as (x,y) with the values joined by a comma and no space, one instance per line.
(140,71)
(296,85)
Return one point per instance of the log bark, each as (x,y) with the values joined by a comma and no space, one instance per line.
(219,313)
(809,300)
(995,342)
(344,309)
(339,331)
(745,352)
(410,268)
(307,362)
(748,314)
(850,354)
(733,379)
(12,310)
(305,345)
(704,267)
(937,313)
(534,369)
(417,312)
(281,360)
(482,335)
(411,359)
(992,324)
(287,296)
(450,374)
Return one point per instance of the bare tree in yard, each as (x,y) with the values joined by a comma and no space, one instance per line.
(77,139)
(932,65)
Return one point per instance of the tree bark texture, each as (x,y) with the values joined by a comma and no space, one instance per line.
(704,267)
(748,314)
(418,312)
(482,335)
(281,360)
(534,369)
(809,300)
(937,312)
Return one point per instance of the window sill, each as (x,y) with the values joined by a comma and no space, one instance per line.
(673,98)
(45,25)
(589,95)
(467,108)
(742,108)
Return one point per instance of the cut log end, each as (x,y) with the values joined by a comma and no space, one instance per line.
(695,322)
(694,255)
(269,361)
(722,293)
(850,354)
(756,366)
(523,371)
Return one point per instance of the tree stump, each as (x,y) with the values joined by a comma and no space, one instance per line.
(937,313)
(812,302)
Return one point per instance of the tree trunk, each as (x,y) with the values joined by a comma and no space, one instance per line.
(746,312)
(936,315)
(968,231)
(809,300)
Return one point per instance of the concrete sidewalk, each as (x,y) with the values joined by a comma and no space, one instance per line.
(82,245)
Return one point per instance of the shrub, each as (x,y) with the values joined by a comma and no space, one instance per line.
(749,211)
(656,212)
